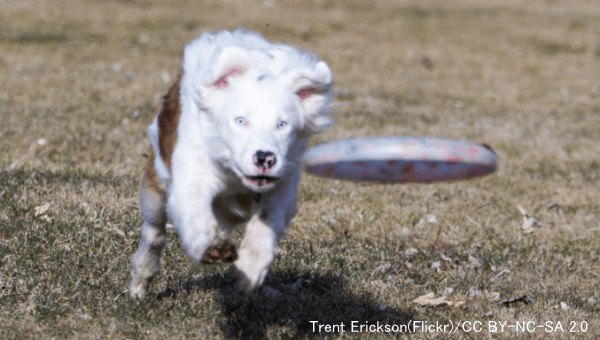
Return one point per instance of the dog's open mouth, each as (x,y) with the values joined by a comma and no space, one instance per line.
(260,181)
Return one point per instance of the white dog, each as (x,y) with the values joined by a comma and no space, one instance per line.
(226,150)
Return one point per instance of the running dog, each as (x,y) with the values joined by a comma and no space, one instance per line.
(226,152)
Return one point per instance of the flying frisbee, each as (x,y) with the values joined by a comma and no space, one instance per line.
(400,160)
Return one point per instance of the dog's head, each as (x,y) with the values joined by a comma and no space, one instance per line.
(262,105)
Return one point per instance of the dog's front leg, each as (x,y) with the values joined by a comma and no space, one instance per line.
(255,255)
(194,221)
(270,218)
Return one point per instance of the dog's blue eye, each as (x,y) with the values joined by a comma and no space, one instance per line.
(240,121)
(282,124)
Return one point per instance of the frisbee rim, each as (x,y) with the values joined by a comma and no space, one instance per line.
(455,165)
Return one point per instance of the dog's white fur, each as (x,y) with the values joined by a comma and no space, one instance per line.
(238,95)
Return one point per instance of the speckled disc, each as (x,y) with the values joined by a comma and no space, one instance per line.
(400,160)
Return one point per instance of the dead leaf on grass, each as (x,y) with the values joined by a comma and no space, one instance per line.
(427,219)
(474,262)
(476,293)
(445,258)
(529,222)
(562,306)
(41,211)
(116,230)
(84,317)
(381,269)
(430,300)
(410,252)
(437,266)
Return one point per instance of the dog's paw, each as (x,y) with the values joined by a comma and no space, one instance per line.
(245,283)
(139,285)
(137,289)
(224,253)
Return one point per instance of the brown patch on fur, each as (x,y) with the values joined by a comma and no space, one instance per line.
(168,120)
(150,180)
(241,203)
(244,201)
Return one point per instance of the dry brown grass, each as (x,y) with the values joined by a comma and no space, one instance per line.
(521,76)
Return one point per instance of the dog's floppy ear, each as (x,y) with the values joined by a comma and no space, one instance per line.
(313,88)
(232,62)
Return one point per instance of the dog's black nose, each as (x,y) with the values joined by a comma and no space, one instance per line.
(264,159)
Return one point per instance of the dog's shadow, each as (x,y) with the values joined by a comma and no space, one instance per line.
(292,300)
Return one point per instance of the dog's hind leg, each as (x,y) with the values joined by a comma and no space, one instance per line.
(145,263)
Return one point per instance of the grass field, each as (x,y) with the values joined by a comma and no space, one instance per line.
(80,81)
